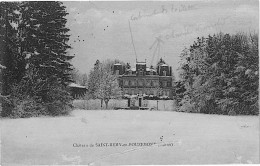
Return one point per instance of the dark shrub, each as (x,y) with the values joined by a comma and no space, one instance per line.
(56,101)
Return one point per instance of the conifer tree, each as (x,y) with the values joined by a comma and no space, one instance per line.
(44,41)
(34,45)
(9,49)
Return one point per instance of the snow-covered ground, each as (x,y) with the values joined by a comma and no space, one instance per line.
(190,138)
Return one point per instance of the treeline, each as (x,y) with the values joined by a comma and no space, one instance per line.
(220,75)
(34,51)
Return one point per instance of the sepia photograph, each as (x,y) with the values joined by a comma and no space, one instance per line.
(129,82)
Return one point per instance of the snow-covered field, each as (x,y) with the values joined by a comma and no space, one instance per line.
(190,138)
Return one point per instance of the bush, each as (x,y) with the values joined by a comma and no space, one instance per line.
(57,101)
(58,108)
(27,108)
(209,107)
(186,105)
(232,113)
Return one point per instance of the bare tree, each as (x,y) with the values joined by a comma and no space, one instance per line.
(106,85)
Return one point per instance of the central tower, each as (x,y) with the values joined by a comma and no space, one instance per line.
(140,68)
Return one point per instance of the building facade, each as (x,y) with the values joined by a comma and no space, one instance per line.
(145,81)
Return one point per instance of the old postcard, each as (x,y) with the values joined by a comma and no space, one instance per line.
(129,82)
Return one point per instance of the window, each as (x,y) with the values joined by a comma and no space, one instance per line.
(148,83)
(117,72)
(168,93)
(126,82)
(132,82)
(164,73)
(140,82)
(140,92)
(169,84)
(155,83)
(164,83)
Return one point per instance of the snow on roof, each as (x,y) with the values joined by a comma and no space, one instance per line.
(149,69)
(141,63)
(73,85)
(132,96)
(164,97)
(164,65)
(133,69)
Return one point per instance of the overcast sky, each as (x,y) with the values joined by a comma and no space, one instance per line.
(100,30)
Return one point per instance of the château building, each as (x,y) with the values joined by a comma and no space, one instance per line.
(145,81)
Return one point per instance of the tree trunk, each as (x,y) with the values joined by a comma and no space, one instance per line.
(101,103)
(106,102)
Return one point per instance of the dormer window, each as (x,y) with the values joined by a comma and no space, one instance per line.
(164,83)
(132,82)
(140,82)
(164,73)
(126,82)
(148,83)
(117,72)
